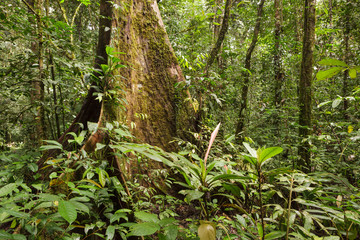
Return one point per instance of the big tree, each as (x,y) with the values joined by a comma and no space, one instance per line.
(305,84)
(147,78)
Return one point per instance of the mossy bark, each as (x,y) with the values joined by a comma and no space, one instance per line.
(151,74)
(305,102)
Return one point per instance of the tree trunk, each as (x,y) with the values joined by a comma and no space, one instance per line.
(151,74)
(221,35)
(154,108)
(245,88)
(346,58)
(279,76)
(91,108)
(306,76)
(37,85)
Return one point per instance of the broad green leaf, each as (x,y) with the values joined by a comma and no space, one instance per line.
(352,72)
(229,176)
(167,221)
(251,160)
(332,62)
(323,103)
(250,149)
(102,176)
(260,230)
(33,167)
(191,195)
(51,144)
(7,189)
(275,235)
(110,232)
(332,238)
(241,220)
(68,211)
(17,213)
(80,206)
(322,75)
(207,231)
(171,232)
(99,146)
(147,217)
(144,229)
(117,216)
(92,126)
(269,153)
(4,235)
(336,102)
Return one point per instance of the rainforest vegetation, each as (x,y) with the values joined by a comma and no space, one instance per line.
(180,119)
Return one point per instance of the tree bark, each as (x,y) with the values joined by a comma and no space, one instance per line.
(37,93)
(224,28)
(306,76)
(245,88)
(346,57)
(153,106)
(91,108)
(149,79)
(279,76)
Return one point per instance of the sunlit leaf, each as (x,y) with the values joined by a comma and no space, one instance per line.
(269,153)
(68,211)
(275,235)
(7,189)
(336,102)
(147,217)
(352,72)
(144,229)
(332,62)
(322,75)
(250,149)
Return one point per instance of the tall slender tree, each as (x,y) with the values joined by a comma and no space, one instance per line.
(37,85)
(304,160)
(246,76)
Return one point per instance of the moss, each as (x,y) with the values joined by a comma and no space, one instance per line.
(148,81)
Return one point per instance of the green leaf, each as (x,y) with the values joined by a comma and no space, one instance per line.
(171,232)
(7,189)
(51,145)
(250,149)
(191,195)
(117,216)
(322,75)
(241,220)
(80,206)
(99,146)
(352,72)
(332,62)
(33,167)
(68,211)
(147,217)
(110,232)
(144,229)
(323,103)
(275,235)
(229,176)
(269,153)
(102,176)
(336,102)
(260,230)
